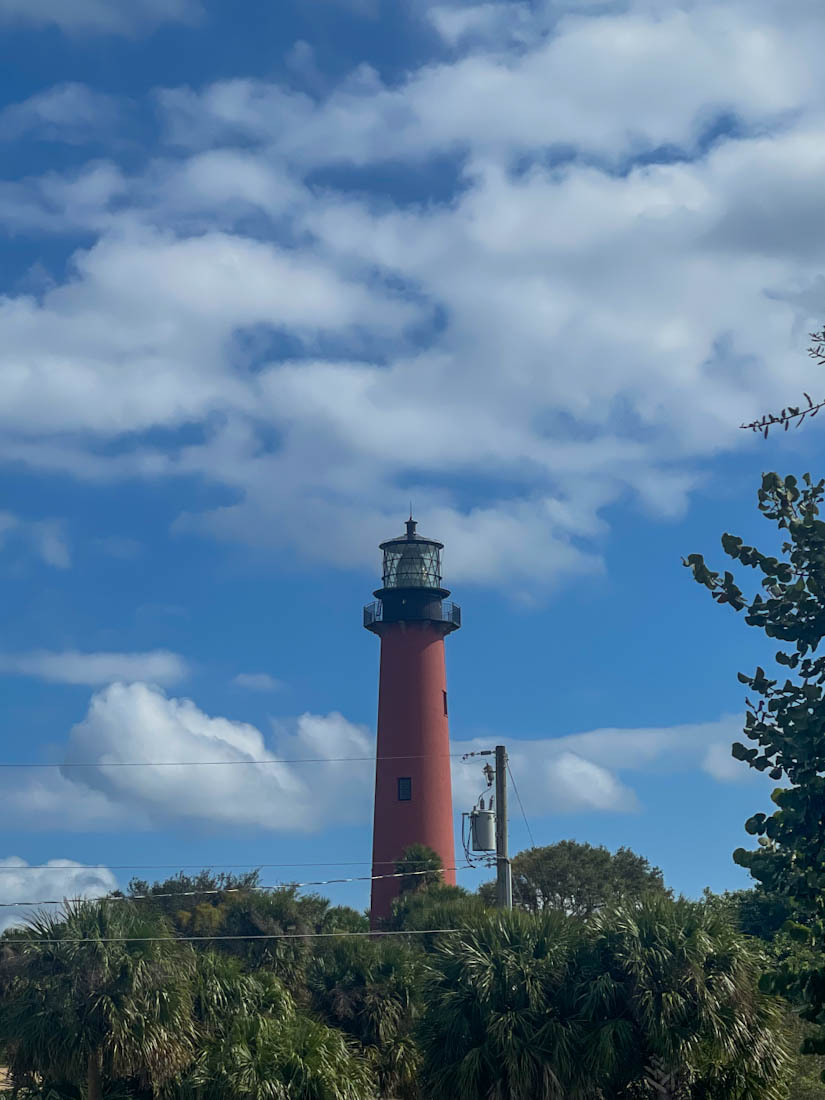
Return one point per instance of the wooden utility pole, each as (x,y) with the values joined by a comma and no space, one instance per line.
(504,882)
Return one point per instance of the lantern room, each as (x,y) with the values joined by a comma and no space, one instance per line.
(412,561)
(412,585)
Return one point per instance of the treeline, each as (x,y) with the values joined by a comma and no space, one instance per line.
(601,985)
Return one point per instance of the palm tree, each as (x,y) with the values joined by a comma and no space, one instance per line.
(498,1022)
(368,989)
(255,1045)
(419,867)
(93,994)
(667,992)
(439,906)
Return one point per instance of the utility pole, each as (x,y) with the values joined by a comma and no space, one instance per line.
(504,882)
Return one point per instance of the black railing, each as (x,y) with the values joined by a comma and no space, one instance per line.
(450,613)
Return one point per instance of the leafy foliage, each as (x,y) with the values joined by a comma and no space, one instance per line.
(436,907)
(756,912)
(255,1045)
(653,997)
(793,413)
(647,998)
(95,1006)
(577,879)
(368,989)
(785,722)
(498,1017)
(670,1001)
(420,867)
(209,904)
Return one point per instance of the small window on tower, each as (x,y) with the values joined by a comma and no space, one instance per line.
(405,789)
(444,693)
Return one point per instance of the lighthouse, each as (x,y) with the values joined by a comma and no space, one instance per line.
(413,799)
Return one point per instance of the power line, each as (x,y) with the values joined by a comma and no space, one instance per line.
(521,805)
(194,866)
(230,889)
(210,939)
(220,763)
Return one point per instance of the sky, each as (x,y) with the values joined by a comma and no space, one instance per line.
(271,271)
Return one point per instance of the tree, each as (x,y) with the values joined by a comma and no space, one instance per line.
(255,1045)
(419,867)
(794,412)
(653,997)
(755,911)
(577,879)
(438,906)
(368,989)
(209,904)
(96,993)
(669,1001)
(498,1018)
(785,721)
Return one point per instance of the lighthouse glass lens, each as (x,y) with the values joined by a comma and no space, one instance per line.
(412,565)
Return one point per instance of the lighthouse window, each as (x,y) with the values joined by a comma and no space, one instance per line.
(444,693)
(405,789)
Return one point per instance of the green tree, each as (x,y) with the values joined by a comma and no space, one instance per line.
(785,719)
(368,989)
(498,1010)
(209,904)
(419,867)
(255,1045)
(94,994)
(669,1000)
(436,907)
(577,879)
(653,997)
(805,1070)
(756,912)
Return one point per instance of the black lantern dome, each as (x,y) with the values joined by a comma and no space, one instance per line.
(412,584)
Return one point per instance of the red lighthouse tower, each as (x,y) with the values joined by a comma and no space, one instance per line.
(413,799)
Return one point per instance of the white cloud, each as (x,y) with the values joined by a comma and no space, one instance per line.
(556,337)
(133,723)
(492,24)
(608,85)
(93,669)
(177,304)
(45,538)
(593,771)
(246,780)
(101,16)
(71,113)
(719,764)
(257,681)
(58,879)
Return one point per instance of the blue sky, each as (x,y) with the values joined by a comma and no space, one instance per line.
(265,278)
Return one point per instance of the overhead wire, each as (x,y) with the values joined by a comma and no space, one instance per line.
(210,939)
(521,804)
(229,889)
(75,866)
(228,763)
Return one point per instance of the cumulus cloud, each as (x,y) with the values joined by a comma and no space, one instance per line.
(593,771)
(623,268)
(58,879)
(93,669)
(215,772)
(101,16)
(587,86)
(239,782)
